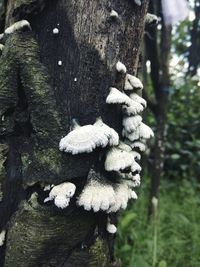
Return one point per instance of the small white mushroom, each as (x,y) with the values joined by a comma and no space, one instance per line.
(151,19)
(61,194)
(19,25)
(117,97)
(114,14)
(55,31)
(2,237)
(1,36)
(96,195)
(119,159)
(111,228)
(139,99)
(111,134)
(138,2)
(120,67)
(132,82)
(131,123)
(60,63)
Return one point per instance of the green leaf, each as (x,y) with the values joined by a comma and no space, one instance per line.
(175,156)
(138,261)
(162,264)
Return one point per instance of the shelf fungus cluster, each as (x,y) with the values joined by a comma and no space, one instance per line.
(109,188)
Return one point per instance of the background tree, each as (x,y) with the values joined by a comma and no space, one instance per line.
(157,47)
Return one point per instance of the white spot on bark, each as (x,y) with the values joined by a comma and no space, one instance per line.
(2,237)
(114,14)
(55,31)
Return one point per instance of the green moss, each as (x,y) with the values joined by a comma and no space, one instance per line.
(3,152)
(40,235)
(99,254)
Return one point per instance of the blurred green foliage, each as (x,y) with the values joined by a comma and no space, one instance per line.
(178,228)
(183,132)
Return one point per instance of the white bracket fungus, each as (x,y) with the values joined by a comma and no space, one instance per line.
(120,159)
(139,145)
(117,97)
(151,19)
(61,194)
(1,36)
(131,123)
(136,180)
(142,131)
(139,99)
(145,131)
(114,14)
(111,134)
(2,237)
(130,107)
(135,135)
(133,109)
(97,194)
(120,67)
(84,139)
(122,194)
(19,25)
(132,82)
(135,166)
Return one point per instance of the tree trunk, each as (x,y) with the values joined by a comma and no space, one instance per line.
(46,80)
(158,52)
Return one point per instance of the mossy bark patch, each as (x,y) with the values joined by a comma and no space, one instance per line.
(38,235)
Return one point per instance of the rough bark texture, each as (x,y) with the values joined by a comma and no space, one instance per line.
(38,100)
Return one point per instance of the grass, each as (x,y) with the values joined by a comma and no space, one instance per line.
(170,240)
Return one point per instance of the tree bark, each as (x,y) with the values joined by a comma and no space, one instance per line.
(158,52)
(38,100)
